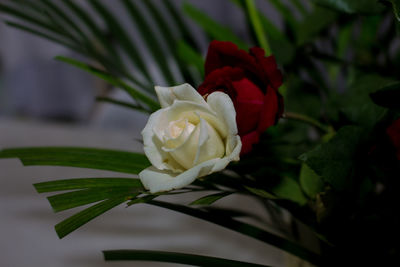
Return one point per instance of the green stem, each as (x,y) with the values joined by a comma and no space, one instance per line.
(257,26)
(309,120)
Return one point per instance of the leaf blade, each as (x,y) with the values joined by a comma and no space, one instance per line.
(210,199)
(69,200)
(388,96)
(134,93)
(102,159)
(85,183)
(212,27)
(173,257)
(74,222)
(245,229)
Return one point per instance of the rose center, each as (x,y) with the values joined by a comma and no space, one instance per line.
(176,128)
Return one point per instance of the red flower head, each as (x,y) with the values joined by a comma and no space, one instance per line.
(393,131)
(252,81)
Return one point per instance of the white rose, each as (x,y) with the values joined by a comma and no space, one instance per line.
(188,137)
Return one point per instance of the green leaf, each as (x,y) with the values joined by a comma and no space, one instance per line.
(186,33)
(335,160)
(190,56)
(260,192)
(166,33)
(314,23)
(122,36)
(134,93)
(102,159)
(289,189)
(356,103)
(151,42)
(388,97)
(257,26)
(66,21)
(233,213)
(286,13)
(210,26)
(281,48)
(311,182)
(301,7)
(303,98)
(46,36)
(210,199)
(353,6)
(245,229)
(342,44)
(141,199)
(82,197)
(25,16)
(90,190)
(54,23)
(100,43)
(396,8)
(121,103)
(173,257)
(86,183)
(74,222)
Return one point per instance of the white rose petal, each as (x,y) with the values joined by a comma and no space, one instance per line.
(188,138)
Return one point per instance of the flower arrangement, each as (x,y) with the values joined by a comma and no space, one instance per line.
(318,136)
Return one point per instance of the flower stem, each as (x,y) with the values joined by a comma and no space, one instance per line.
(309,120)
(257,26)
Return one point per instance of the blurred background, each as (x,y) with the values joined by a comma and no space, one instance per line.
(44,102)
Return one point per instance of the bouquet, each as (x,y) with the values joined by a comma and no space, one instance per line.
(304,118)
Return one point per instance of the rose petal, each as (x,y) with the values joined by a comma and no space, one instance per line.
(211,126)
(248,141)
(185,154)
(249,105)
(270,110)
(193,112)
(210,144)
(224,110)
(152,146)
(159,181)
(269,67)
(222,54)
(167,95)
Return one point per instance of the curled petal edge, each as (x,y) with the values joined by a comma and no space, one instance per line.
(156,180)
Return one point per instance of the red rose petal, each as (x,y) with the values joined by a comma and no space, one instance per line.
(222,54)
(251,80)
(270,110)
(221,80)
(269,66)
(249,104)
(248,141)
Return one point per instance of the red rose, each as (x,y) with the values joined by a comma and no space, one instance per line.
(393,131)
(252,81)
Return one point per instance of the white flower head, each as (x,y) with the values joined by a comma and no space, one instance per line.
(188,137)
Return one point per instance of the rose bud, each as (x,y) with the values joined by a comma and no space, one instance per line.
(188,137)
(393,131)
(252,81)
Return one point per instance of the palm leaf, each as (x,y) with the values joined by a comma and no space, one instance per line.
(134,93)
(150,40)
(211,27)
(173,257)
(101,159)
(245,229)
